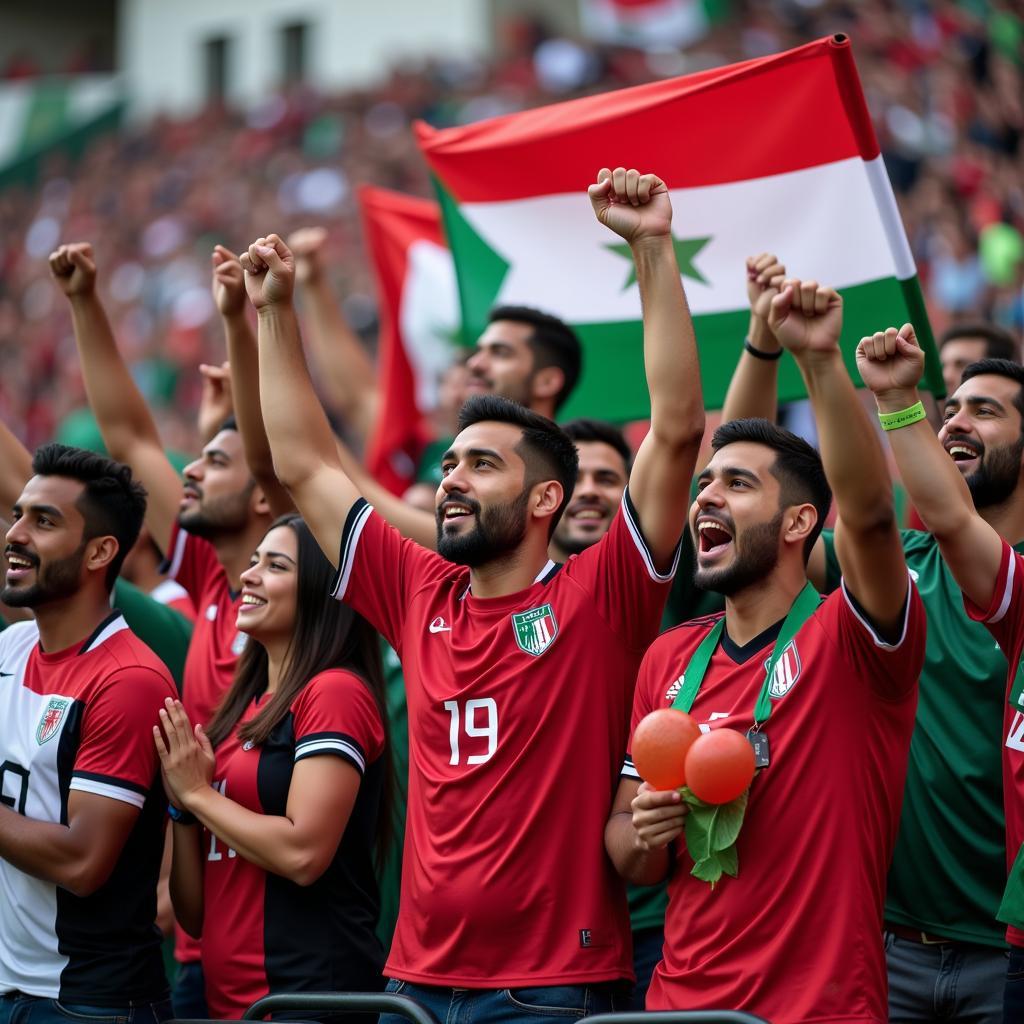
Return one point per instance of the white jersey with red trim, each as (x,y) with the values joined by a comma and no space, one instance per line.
(81,720)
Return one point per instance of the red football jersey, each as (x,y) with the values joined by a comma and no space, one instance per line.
(213,651)
(1005,621)
(797,936)
(261,932)
(518,717)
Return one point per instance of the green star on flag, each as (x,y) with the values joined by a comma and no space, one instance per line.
(686,251)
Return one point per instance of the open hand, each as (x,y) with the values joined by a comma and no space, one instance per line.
(269,272)
(806,317)
(186,756)
(890,360)
(74,268)
(633,205)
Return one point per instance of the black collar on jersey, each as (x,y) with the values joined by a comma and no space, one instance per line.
(740,654)
(555,569)
(115,614)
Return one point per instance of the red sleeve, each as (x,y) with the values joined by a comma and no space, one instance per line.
(336,714)
(619,573)
(378,570)
(652,671)
(117,757)
(1003,617)
(892,668)
(192,562)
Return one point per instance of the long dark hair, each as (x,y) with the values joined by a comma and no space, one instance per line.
(327,634)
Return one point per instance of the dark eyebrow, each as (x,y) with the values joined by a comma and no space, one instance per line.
(216,451)
(488,453)
(730,471)
(47,510)
(278,554)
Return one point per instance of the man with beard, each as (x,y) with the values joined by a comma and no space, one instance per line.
(519,672)
(945,950)
(81,805)
(824,689)
(983,427)
(208,532)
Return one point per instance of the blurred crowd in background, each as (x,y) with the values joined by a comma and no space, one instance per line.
(944,82)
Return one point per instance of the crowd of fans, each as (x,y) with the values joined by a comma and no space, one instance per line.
(944,81)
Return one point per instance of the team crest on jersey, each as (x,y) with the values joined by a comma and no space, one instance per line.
(51,718)
(787,672)
(535,629)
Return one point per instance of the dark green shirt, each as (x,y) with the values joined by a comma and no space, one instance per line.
(165,631)
(949,866)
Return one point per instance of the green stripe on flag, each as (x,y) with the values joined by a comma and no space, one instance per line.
(479,289)
(47,116)
(613,385)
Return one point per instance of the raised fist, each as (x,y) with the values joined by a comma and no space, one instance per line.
(765,275)
(890,360)
(228,282)
(269,272)
(307,246)
(806,317)
(74,269)
(633,205)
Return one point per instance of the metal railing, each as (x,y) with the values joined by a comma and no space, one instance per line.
(340,1002)
(675,1017)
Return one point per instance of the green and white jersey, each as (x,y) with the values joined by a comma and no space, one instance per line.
(949,866)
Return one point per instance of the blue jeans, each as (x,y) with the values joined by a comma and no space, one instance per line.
(17,1008)
(952,981)
(647,952)
(188,997)
(556,1003)
(1013,995)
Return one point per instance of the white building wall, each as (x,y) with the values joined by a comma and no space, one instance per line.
(350,43)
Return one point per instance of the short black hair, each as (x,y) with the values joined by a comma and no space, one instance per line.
(547,450)
(798,466)
(999,368)
(230,423)
(999,342)
(587,430)
(111,503)
(553,342)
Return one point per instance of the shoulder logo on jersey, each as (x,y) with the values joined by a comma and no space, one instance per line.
(51,718)
(787,672)
(673,691)
(535,629)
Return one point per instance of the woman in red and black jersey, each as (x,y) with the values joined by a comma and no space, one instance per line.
(289,785)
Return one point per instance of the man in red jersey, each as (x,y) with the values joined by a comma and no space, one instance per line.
(81,805)
(796,935)
(986,567)
(519,672)
(208,533)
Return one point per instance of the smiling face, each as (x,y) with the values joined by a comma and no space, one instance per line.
(982,433)
(482,501)
(595,499)
(45,549)
(737,521)
(270,588)
(218,489)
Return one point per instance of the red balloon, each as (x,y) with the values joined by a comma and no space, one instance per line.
(660,743)
(719,766)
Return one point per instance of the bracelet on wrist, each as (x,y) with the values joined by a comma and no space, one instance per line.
(759,353)
(180,817)
(902,417)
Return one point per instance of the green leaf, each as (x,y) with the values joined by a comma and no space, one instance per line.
(729,861)
(724,826)
(698,832)
(708,870)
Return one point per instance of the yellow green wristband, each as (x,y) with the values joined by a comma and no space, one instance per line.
(903,417)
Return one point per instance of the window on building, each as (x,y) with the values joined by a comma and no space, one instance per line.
(217,56)
(294,52)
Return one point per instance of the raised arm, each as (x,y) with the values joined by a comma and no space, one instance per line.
(305,458)
(807,319)
(637,207)
(346,372)
(753,390)
(124,419)
(890,363)
(243,360)
(16,463)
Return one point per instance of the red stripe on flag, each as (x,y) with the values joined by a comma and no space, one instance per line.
(391,223)
(761,117)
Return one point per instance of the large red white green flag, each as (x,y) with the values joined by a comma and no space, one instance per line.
(776,154)
(419,320)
